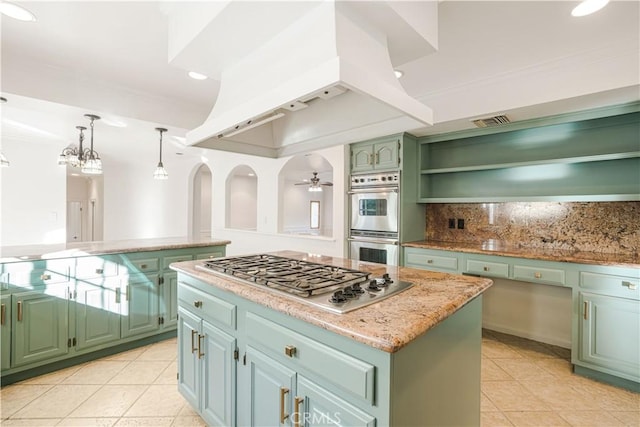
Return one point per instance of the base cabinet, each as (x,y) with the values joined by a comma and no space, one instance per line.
(39,322)
(610,333)
(97,314)
(140,311)
(207,368)
(5,331)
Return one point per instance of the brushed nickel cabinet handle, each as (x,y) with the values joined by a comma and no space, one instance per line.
(200,353)
(19,311)
(586,308)
(118,296)
(298,401)
(193,342)
(126,295)
(631,286)
(537,275)
(290,350)
(45,277)
(283,416)
(3,314)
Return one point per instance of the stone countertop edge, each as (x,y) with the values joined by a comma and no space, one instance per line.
(73,250)
(387,325)
(557,255)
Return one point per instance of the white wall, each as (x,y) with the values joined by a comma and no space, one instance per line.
(242,194)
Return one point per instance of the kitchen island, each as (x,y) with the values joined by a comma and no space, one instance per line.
(67,303)
(251,356)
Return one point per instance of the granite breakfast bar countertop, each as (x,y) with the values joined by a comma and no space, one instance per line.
(70,250)
(388,325)
(494,247)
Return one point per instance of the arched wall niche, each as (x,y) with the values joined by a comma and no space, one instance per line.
(241,199)
(297,193)
(201,199)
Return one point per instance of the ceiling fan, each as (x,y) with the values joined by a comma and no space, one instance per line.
(314,183)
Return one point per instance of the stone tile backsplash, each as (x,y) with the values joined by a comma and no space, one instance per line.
(610,227)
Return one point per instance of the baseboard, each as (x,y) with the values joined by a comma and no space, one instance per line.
(526,334)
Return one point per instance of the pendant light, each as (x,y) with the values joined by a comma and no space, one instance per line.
(92,164)
(79,157)
(160,172)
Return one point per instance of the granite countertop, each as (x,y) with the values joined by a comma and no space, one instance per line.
(387,325)
(69,250)
(493,247)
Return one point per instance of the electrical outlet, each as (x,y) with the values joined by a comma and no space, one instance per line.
(460,223)
(452,223)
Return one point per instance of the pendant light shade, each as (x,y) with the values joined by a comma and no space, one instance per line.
(92,164)
(160,172)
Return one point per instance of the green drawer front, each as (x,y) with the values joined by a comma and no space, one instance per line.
(345,371)
(145,265)
(210,255)
(483,268)
(93,267)
(207,306)
(622,286)
(166,261)
(37,273)
(432,261)
(548,276)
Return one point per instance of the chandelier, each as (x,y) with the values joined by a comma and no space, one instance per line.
(160,172)
(87,159)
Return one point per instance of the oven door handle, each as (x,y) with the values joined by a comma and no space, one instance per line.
(374,190)
(374,240)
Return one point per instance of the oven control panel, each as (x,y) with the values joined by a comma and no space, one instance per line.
(376,180)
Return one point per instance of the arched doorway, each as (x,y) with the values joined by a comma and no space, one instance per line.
(201,202)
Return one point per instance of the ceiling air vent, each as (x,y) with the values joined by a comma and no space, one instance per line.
(492,121)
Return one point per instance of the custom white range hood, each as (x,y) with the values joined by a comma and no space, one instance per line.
(299,76)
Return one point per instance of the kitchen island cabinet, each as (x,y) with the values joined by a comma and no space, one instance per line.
(605,297)
(66,304)
(411,359)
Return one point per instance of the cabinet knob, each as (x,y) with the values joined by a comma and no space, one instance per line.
(143,266)
(290,350)
(45,277)
(99,271)
(485,268)
(537,275)
(429,261)
(631,286)
(197,304)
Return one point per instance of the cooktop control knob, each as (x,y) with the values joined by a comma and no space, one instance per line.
(373,285)
(338,297)
(357,289)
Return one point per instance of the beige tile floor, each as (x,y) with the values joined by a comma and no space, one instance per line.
(524,383)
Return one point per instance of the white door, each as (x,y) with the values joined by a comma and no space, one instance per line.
(74,222)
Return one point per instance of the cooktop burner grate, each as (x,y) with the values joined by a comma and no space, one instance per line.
(300,277)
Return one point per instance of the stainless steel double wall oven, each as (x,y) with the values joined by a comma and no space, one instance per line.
(374,211)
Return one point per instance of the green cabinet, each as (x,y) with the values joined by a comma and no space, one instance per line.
(61,308)
(5,331)
(555,158)
(207,368)
(608,323)
(377,155)
(40,328)
(140,308)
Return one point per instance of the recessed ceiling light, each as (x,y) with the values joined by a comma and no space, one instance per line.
(587,7)
(197,76)
(398,73)
(16,12)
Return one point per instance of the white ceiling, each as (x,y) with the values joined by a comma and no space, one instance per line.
(526,59)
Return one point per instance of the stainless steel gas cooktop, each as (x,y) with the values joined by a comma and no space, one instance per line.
(332,288)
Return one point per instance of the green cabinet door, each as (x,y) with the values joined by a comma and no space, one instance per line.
(97,314)
(317,406)
(218,391)
(5,331)
(140,308)
(385,155)
(169,299)
(271,388)
(361,157)
(610,333)
(188,362)
(40,325)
